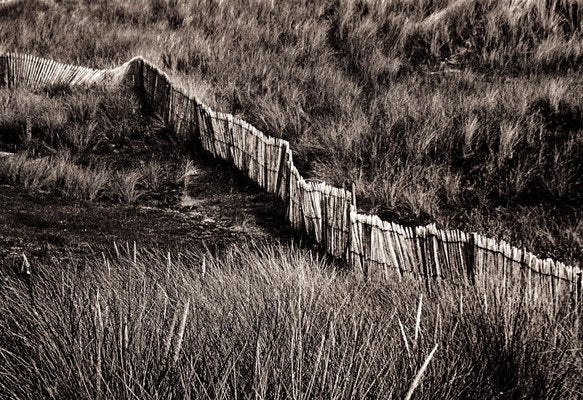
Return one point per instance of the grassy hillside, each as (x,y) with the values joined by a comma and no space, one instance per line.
(463,112)
(85,144)
(270,322)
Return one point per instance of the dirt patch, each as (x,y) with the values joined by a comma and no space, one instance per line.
(201,203)
(214,208)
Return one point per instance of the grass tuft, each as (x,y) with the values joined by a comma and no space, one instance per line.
(125,186)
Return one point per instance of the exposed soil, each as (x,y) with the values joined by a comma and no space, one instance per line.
(210,207)
(215,207)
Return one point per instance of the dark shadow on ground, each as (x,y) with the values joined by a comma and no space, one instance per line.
(211,208)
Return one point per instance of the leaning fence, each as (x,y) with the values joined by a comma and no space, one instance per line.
(377,248)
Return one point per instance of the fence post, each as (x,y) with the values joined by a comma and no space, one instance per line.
(471,258)
(349,221)
(3,71)
(419,240)
(360,245)
(138,77)
(347,216)
(281,169)
(8,74)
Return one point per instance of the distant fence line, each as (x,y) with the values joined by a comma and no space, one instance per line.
(377,248)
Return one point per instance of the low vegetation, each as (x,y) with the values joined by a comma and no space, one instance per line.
(82,121)
(266,322)
(463,112)
(55,174)
(84,144)
(467,113)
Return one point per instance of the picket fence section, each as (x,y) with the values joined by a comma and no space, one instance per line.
(377,248)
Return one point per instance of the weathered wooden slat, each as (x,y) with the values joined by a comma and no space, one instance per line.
(3,71)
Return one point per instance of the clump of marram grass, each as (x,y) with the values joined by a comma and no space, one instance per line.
(272,321)
(56,173)
(125,186)
(187,169)
(152,175)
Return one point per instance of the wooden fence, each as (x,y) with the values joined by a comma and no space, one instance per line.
(377,248)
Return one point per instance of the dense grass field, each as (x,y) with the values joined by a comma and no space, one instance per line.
(85,144)
(463,112)
(466,112)
(271,322)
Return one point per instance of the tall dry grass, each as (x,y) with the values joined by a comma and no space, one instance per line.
(80,120)
(62,174)
(57,174)
(125,185)
(462,112)
(270,322)
(65,140)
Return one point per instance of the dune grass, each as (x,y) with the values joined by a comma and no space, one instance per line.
(463,112)
(78,120)
(270,322)
(60,174)
(57,174)
(65,140)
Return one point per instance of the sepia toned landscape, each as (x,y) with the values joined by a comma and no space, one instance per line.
(329,199)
